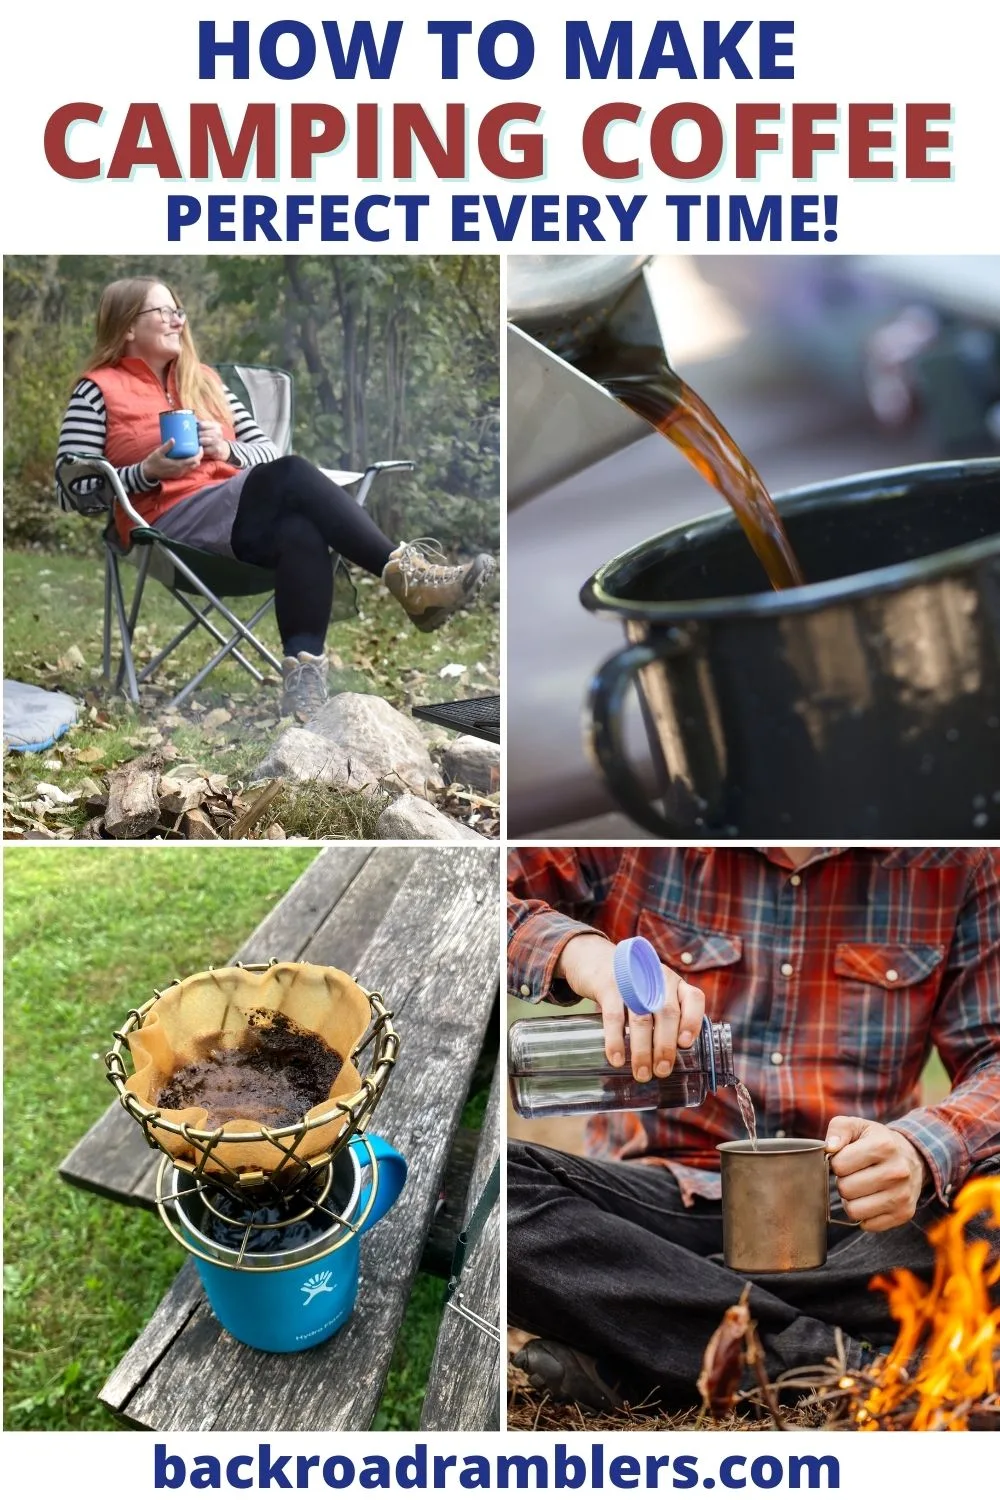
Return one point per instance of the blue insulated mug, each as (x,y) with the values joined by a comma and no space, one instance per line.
(299,1294)
(182,426)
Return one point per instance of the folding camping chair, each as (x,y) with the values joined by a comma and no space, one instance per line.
(198,580)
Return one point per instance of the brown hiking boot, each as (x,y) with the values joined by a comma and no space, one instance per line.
(428,587)
(304,690)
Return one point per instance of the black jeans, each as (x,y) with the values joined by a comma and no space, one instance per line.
(604,1256)
(290,518)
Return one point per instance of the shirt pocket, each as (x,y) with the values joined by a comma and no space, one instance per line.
(885,996)
(687,950)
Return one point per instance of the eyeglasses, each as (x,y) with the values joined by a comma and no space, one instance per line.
(167,314)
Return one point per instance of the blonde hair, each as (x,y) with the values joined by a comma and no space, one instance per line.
(200,390)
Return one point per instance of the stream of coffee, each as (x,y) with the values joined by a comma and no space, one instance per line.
(747,1112)
(640,377)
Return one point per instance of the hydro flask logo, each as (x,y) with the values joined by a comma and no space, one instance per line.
(316,1284)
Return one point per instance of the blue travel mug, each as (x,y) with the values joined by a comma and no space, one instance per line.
(182,426)
(290,1299)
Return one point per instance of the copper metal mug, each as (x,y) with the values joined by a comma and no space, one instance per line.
(775,1204)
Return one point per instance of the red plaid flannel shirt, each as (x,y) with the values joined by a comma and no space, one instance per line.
(836,978)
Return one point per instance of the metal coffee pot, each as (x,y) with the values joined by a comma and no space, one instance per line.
(559,421)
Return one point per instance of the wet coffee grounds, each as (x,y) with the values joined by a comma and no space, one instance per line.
(278,1073)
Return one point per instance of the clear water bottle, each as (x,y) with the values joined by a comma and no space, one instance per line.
(557,1065)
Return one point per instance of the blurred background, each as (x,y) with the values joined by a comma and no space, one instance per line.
(819,367)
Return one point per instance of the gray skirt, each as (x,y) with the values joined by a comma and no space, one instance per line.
(205,519)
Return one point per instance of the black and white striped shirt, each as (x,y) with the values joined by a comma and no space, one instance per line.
(85,424)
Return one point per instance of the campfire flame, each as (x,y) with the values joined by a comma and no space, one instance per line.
(946,1359)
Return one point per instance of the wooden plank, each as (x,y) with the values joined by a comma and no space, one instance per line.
(435,956)
(287,931)
(176,1309)
(341,939)
(463,1388)
(113,1158)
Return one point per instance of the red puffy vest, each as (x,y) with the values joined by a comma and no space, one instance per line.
(133,400)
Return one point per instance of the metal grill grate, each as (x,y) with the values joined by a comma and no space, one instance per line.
(477,716)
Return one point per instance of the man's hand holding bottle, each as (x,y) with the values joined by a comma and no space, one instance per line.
(587,966)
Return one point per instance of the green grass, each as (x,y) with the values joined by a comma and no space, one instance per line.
(88,934)
(53,603)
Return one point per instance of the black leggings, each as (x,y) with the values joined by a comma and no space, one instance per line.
(290,518)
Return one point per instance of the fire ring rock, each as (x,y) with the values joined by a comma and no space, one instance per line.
(473,763)
(412,818)
(366,741)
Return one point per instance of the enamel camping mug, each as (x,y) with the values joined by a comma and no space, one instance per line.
(287,1297)
(867,701)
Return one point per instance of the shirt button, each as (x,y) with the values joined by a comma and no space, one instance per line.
(891,975)
(687,958)
(526,989)
(794,880)
(781,1134)
(777,1057)
(787,970)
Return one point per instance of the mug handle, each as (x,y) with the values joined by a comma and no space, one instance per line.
(606,702)
(389,1170)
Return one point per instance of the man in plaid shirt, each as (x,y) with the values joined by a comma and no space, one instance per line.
(837,970)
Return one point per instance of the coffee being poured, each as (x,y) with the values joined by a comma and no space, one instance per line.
(642,379)
(639,375)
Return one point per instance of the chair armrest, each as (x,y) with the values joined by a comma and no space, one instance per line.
(374,470)
(344,477)
(73,467)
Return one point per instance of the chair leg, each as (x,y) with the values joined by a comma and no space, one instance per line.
(226,613)
(127,620)
(201,617)
(172,645)
(106,655)
(133,614)
(228,648)
(140,584)
(127,665)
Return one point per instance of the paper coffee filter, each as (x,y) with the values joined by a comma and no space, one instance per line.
(211,1010)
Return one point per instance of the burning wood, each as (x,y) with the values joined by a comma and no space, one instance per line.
(946,1359)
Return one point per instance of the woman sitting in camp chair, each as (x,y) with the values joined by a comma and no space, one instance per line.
(235,496)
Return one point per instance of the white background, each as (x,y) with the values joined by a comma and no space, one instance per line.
(90,1466)
(852,52)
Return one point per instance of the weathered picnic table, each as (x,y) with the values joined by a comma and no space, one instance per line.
(421,926)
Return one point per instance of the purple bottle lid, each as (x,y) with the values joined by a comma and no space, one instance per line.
(639,976)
